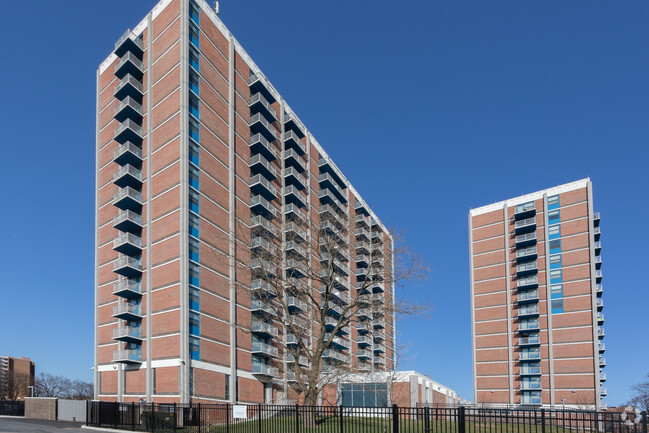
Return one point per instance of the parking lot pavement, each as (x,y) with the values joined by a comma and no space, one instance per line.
(29,425)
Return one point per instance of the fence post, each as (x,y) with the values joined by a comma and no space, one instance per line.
(341,418)
(644,422)
(542,420)
(297,418)
(227,418)
(132,416)
(174,416)
(426,419)
(395,418)
(461,420)
(259,417)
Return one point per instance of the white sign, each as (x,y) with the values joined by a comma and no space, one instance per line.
(239,411)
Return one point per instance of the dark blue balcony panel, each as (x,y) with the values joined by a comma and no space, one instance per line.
(598,262)
(128,153)
(258,84)
(264,329)
(528,297)
(128,221)
(526,268)
(294,195)
(129,42)
(127,243)
(526,283)
(259,104)
(129,108)
(598,276)
(260,165)
(293,159)
(127,288)
(525,240)
(129,63)
(598,248)
(596,219)
(327,166)
(260,125)
(295,178)
(262,186)
(127,266)
(259,204)
(292,141)
(524,211)
(291,123)
(526,254)
(525,225)
(327,181)
(530,341)
(128,175)
(529,357)
(526,327)
(128,199)
(128,311)
(597,232)
(260,144)
(129,131)
(129,86)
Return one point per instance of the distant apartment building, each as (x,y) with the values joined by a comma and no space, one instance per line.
(16,378)
(199,163)
(536,299)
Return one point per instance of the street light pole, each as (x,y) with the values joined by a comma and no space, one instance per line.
(32,387)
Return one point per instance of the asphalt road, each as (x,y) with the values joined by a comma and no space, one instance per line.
(27,425)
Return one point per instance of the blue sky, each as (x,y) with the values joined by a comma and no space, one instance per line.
(429,108)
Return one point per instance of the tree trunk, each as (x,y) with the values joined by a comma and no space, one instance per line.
(309,409)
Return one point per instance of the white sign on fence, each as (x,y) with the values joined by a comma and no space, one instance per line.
(239,411)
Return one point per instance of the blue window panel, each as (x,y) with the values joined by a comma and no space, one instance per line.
(194,106)
(555,246)
(194,58)
(194,154)
(194,323)
(556,276)
(554,231)
(194,225)
(554,217)
(194,129)
(557,306)
(194,298)
(194,177)
(194,81)
(194,35)
(194,201)
(194,275)
(553,202)
(195,348)
(556,291)
(194,13)
(555,261)
(194,249)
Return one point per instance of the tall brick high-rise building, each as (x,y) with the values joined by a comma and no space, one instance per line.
(197,156)
(536,298)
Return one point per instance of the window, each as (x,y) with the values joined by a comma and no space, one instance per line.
(195,348)
(193,105)
(555,245)
(529,324)
(194,249)
(555,276)
(194,298)
(227,387)
(194,176)
(531,383)
(194,34)
(194,155)
(557,306)
(553,216)
(194,58)
(194,274)
(194,12)
(525,207)
(153,380)
(193,81)
(530,353)
(194,131)
(532,397)
(554,231)
(364,394)
(556,291)
(555,261)
(194,201)
(194,225)
(194,323)
(553,202)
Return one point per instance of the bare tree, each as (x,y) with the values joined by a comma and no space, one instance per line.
(308,292)
(585,400)
(640,397)
(18,386)
(79,390)
(51,386)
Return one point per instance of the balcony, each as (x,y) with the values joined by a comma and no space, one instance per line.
(126,288)
(378,287)
(293,211)
(295,177)
(379,348)
(261,165)
(379,335)
(600,304)
(529,296)
(525,226)
(293,195)
(264,349)
(530,356)
(291,123)
(295,249)
(531,326)
(362,260)
(127,221)
(260,144)
(524,211)
(603,391)
(601,347)
(364,340)
(327,196)
(129,64)
(292,158)
(263,246)
(259,104)
(598,276)
(602,362)
(293,140)
(128,334)
(597,232)
(302,360)
(261,308)
(526,268)
(296,305)
(337,342)
(328,181)
(526,254)
(127,131)
(264,370)
(378,323)
(128,153)
(598,248)
(530,386)
(335,356)
(529,370)
(129,86)
(129,108)
(128,176)
(333,309)
(127,266)
(339,296)
(598,262)
(127,243)
(128,199)
(364,353)
(263,266)
(379,361)
(530,311)
(599,290)
(127,311)
(128,42)
(602,377)
(258,222)
(529,341)
(296,231)
(362,233)
(260,185)
(596,219)
(600,318)
(259,125)
(261,205)
(295,269)
(258,84)
(128,356)
(364,367)
(529,282)
(600,332)
(364,313)
(526,240)
(265,329)
(363,327)
(263,287)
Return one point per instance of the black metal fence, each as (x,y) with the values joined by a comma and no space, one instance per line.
(225,418)
(12,408)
